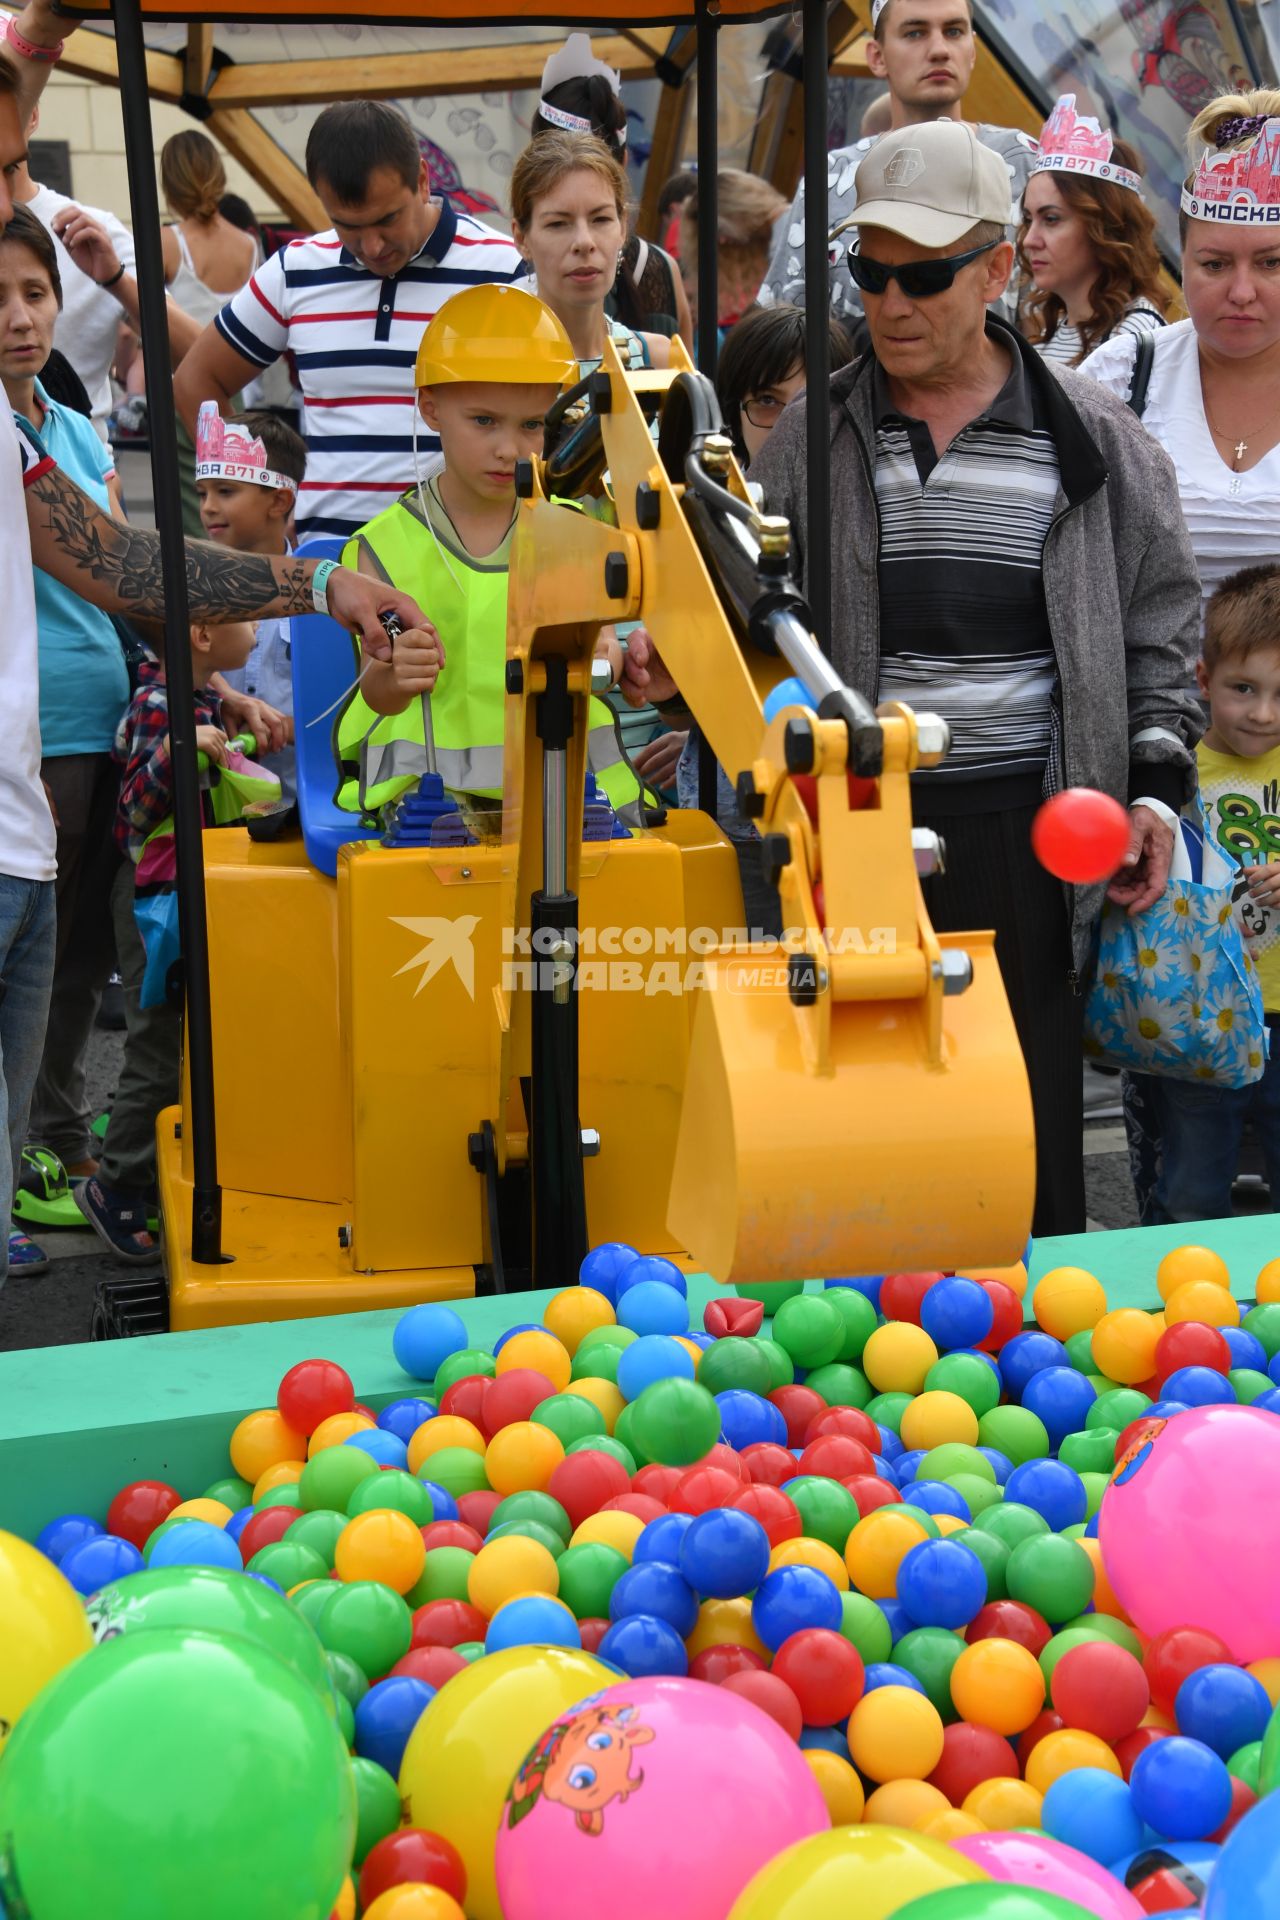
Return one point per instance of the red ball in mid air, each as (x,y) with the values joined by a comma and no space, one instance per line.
(1080,835)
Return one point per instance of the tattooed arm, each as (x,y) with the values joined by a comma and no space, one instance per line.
(118,568)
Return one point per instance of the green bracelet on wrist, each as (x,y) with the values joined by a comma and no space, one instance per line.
(320,585)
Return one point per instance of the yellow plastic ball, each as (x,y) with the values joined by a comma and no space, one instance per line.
(805,1552)
(854,1873)
(895,1734)
(1181,1264)
(620,1530)
(414,1900)
(337,1428)
(508,1566)
(998,1684)
(344,1907)
(1002,1805)
(1267,1675)
(540,1351)
(522,1458)
(934,1418)
(949,1523)
(603,1395)
(286,1474)
(839,1785)
(383,1545)
(446,1430)
(1063,1752)
(691,1347)
(897,1357)
(216,1512)
(725,1623)
(1068,1301)
(1267,1285)
(876,1548)
(575,1313)
(262,1440)
(1202,1301)
(1124,1345)
(43,1627)
(954,1824)
(905,1803)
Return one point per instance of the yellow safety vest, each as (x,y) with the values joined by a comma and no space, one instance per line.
(382,755)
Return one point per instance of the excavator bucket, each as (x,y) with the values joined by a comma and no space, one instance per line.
(900,1153)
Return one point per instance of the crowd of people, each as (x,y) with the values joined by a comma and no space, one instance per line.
(1051,524)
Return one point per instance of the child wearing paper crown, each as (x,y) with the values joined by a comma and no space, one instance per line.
(1239,767)
(231,467)
(489,368)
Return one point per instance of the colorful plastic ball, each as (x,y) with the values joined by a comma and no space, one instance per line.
(575,1312)
(655,1268)
(657,1588)
(1101,1689)
(616,1529)
(897,1357)
(263,1440)
(644,1646)
(1181,1788)
(1052,1575)
(369,1623)
(1223,1707)
(839,1785)
(936,1418)
(602,1267)
(1124,1345)
(825,1673)
(654,1356)
(69,1530)
(1200,1387)
(956,1313)
(311,1391)
(386,1449)
(970,1377)
(970,1755)
(941,1584)
(381,1545)
(792,1598)
(1093,1812)
(522,1457)
(403,1417)
(748,1419)
(810,1329)
(385,1718)
(999,1684)
(1190,1344)
(1068,1300)
(1203,1303)
(652,1306)
(531,1620)
(507,1567)
(194,1543)
(1063,1752)
(1027,1354)
(540,1351)
(864,1870)
(1188,1263)
(425,1336)
(1080,835)
(876,1548)
(102,1558)
(585,1480)
(1049,1488)
(675,1422)
(895,1734)
(724,1553)
(1061,1398)
(412,1856)
(139,1508)
(413,1900)
(884,1673)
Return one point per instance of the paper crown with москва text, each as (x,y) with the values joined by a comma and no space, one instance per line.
(228,452)
(1240,188)
(575,61)
(1070,142)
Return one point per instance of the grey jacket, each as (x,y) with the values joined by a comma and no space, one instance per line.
(1120,583)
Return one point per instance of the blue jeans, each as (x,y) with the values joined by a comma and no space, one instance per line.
(1200,1132)
(28,932)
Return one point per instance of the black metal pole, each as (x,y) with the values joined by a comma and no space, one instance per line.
(817,304)
(707,29)
(139,143)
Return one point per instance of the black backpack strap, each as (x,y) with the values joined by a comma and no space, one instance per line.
(1143,363)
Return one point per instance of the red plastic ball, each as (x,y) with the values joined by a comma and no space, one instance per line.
(870,1491)
(584,1481)
(657,1482)
(1189,1343)
(267,1526)
(834,1456)
(727,1458)
(1128,1437)
(824,1671)
(412,1855)
(451,1533)
(1128,1749)
(368,1412)
(447,1623)
(642,1505)
(139,1508)
(772,1695)
(509,1397)
(465,1400)
(593,1632)
(902,1293)
(1177,1652)
(1007,1315)
(1101,1689)
(776,1511)
(798,1406)
(727,1318)
(434,1665)
(769,1464)
(1045,1723)
(850,1421)
(717,1664)
(1242,1798)
(1080,835)
(970,1755)
(313,1390)
(477,1509)
(703,1488)
(1010,1620)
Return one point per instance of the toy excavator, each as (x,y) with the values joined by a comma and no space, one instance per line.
(445,1068)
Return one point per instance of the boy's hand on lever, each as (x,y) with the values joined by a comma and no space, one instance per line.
(417,659)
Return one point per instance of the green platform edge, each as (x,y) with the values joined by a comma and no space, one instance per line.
(77,1423)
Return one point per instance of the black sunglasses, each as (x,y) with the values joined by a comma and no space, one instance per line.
(919,280)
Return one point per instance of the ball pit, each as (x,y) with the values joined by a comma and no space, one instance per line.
(876,1562)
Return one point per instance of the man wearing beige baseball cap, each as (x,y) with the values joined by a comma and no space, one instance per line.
(1007,550)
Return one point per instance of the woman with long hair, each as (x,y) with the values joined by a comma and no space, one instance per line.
(1087,245)
(206,258)
(748,210)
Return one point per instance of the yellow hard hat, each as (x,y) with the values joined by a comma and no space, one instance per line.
(495,333)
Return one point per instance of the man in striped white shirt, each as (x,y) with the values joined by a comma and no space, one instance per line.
(349,306)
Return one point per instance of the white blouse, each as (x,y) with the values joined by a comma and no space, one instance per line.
(1233,518)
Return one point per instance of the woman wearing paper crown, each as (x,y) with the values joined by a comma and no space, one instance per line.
(1086,245)
(489,368)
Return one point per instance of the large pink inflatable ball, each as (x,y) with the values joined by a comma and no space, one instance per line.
(1190,1527)
(1035,1861)
(657,1795)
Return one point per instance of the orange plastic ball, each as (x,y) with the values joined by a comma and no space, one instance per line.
(1063,1752)
(1068,1301)
(804,1552)
(1202,1301)
(620,1530)
(508,1566)
(541,1352)
(522,1458)
(286,1474)
(998,1684)
(954,1824)
(1104,1594)
(1014,1276)
(1181,1264)
(263,1440)
(1267,1285)
(603,1395)
(337,1428)
(383,1545)
(724,1623)
(576,1312)
(216,1512)
(897,1357)
(934,1418)
(345,1906)
(876,1548)
(1124,1346)
(446,1430)
(413,1900)
(1002,1805)
(905,1803)
(895,1734)
(839,1785)
(1267,1674)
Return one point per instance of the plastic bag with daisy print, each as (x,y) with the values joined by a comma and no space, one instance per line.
(1174,991)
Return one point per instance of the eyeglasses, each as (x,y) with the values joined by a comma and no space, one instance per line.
(764,410)
(919,280)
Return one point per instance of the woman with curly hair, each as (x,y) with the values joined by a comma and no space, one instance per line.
(1087,242)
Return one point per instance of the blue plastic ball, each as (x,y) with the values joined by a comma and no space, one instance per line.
(1061,1398)
(824,1740)
(387,1715)
(265,1580)
(425,1336)
(1273,1367)
(1165,1409)
(891,1447)
(1029,1353)
(386,1448)
(906,1464)
(651,1306)
(97,1562)
(1246,1880)
(404,1417)
(654,1356)
(724,1555)
(69,1530)
(443,1504)
(1200,1387)
(659,1590)
(868,1284)
(1246,1349)
(652,1266)
(941,1584)
(195,1544)
(788,693)
(644,1646)
(883,1469)
(1092,1811)
(661,1539)
(1055,1491)
(1269,1402)
(1001,1464)
(509,1333)
(883,1673)
(748,1418)
(604,1264)
(239,1520)
(956,1313)
(531,1620)
(791,1598)
(935,1496)
(1224,1707)
(1181,1788)
(900,1621)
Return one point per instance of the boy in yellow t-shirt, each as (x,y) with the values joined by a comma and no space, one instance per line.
(1239,767)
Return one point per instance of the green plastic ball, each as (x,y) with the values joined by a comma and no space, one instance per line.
(570,1417)
(1246,1764)
(978,1494)
(1249,1383)
(840,1384)
(781,1371)
(331,1476)
(398,1491)
(233,1492)
(286,1496)
(606,1337)
(467,1364)
(1263,1322)
(444,1577)
(377,1806)
(887,1409)
(369,1622)
(624,1435)
(319,1531)
(953,1456)
(456,1469)
(531,1505)
(348,1679)
(1116,1407)
(735,1364)
(312,1599)
(471,1650)
(859,1316)
(1013,1523)
(611,1443)
(994,1555)
(827,1510)
(1092,1451)
(1080,1351)
(864,1624)
(596,1363)
(969,1377)
(929,1654)
(346,1718)
(288,1563)
(921,1518)
(1015,1432)
(1053,1575)
(676,1421)
(1062,1642)
(589,1573)
(530,1530)
(1107,1627)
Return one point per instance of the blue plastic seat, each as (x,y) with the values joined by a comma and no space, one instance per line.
(324,666)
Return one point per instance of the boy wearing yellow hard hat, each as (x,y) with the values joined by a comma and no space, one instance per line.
(489,368)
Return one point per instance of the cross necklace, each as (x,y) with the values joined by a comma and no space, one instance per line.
(1239,450)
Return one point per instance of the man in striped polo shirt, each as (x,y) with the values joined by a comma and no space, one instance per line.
(350,306)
